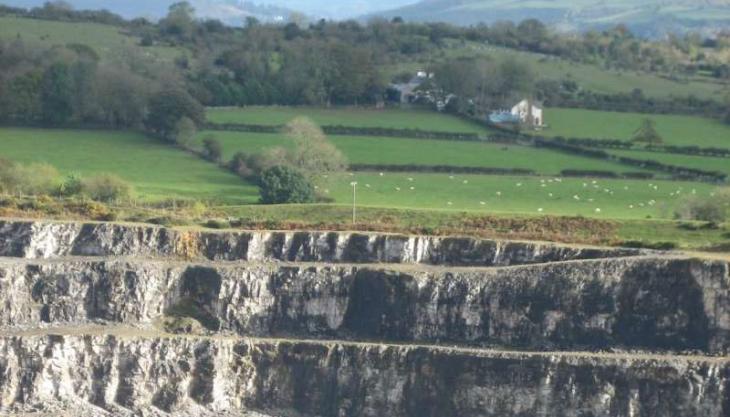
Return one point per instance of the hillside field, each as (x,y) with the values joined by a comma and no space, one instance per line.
(706,163)
(675,129)
(404,151)
(346,116)
(157,171)
(106,40)
(512,194)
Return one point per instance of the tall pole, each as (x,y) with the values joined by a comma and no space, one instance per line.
(354,202)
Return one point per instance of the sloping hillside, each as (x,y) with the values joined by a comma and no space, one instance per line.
(232,12)
(647,17)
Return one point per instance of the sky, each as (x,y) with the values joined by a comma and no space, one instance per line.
(317,8)
(339,8)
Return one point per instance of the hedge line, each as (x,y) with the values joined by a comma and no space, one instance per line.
(355,131)
(606,174)
(494,171)
(678,172)
(441,169)
(505,136)
(620,144)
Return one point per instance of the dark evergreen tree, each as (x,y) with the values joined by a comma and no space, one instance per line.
(284,185)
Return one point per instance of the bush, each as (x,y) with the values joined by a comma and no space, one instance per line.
(252,165)
(212,149)
(185,131)
(71,185)
(33,179)
(283,185)
(712,209)
(241,164)
(217,224)
(107,188)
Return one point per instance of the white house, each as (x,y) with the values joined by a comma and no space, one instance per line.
(529,112)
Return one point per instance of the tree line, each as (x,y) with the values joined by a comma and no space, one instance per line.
(322,63)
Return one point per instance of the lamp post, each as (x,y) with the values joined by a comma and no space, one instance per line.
(354,202)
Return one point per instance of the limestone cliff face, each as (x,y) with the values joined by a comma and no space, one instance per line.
(188,376)
(49,240)
(647,303)
(314,324)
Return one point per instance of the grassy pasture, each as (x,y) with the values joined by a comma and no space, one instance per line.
(157,171)
(675,129)
(346,116)
(403,151)
(106,40)
(510,194)
(706,163)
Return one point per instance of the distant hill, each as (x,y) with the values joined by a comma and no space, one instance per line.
(229,11)
(646,17)
(233,9)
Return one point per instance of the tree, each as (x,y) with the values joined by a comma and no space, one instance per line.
(313,153)
(532,33)
(285,185)
(56,94)
(647,133)
(212,149)
(185,131)
(180,20)
(167,108)
(121,97)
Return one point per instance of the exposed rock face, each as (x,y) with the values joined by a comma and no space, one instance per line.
(647,303)
(314,324)
(49,240)
(183,374)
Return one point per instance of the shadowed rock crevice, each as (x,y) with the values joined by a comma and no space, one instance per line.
(381,305)
(662,308)
(198,298)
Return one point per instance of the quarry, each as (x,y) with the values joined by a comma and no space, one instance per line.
(112,319)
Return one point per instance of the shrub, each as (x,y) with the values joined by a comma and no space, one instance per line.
(212,149)
(217,224)
(185,131)
(712,209)
(252,165)
(107,188)
(33,179)
(71,185)
(241,164)
(282,185)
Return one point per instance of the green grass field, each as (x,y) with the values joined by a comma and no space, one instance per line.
(706,163)
(675,129)
(508,194)
(106,40)
(403,151)
(346,116)
(157,171)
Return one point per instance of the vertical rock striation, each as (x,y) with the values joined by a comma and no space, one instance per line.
(318,324)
